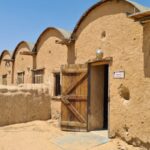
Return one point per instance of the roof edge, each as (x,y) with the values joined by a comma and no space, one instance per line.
(2,54)
(139,7)
(29,45)
(66,35)
(140,15)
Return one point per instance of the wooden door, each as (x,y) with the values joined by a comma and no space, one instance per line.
(74,98)
(96,92)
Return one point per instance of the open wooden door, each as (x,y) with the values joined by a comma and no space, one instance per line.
(98,94)
(74,97)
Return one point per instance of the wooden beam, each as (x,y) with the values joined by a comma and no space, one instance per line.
(20,71)
(72,68)
(63,128)
(28,53)
(56,71)
(75,84)
(107,59)
(140,15)
(8,60)
(100,63)
(38,69)
(144,18)
(62,42)
(77,98)
(74,111)
(73,124)
(146,21)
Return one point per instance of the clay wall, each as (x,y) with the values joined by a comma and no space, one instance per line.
(51,56)
(6,68)
(109,28)
(22,63)
(23,104)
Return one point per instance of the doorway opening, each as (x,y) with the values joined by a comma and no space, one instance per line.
(98,97)
(57,89)
(4,79)
(20,77)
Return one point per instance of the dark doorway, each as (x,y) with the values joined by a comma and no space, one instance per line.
(105,123)
(4,79)
(98,97)
(57,84)
(20,77)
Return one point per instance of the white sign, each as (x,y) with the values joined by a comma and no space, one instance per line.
(119,75)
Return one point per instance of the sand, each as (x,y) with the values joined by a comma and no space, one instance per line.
(46,135)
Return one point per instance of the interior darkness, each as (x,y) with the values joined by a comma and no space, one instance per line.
(105,123)
(57,84)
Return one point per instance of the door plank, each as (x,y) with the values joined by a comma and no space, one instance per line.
(73,110)
(77,97)
(74,98)
(75,84)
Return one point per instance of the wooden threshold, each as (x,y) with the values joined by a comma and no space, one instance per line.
(73,124)
(73,130)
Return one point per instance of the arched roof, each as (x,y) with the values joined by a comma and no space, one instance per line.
(2,54)
(139,7)
(65,34)
(29,45)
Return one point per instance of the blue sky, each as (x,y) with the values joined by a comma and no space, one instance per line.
(26,19)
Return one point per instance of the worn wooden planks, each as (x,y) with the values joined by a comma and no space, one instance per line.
(74,99)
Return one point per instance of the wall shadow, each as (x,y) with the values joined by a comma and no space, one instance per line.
(146,49)
(71,54)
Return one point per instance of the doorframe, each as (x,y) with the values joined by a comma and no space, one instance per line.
(54,72)
(98,62)
(55,79)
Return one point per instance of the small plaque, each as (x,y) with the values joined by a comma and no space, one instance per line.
(119,75)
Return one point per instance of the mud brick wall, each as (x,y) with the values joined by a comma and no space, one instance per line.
(23,104)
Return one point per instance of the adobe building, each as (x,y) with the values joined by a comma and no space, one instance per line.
(22,63)
(5,68)
(50,55)
(112,91)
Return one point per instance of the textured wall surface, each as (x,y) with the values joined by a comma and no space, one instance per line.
(108,27)
(23,104)
(23,63)
(50,56)
(6,69)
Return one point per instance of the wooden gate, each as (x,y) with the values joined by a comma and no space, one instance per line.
(74,98)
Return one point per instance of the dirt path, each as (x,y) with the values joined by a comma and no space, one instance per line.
(46,135)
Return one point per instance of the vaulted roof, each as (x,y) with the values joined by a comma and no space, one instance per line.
(65,34)
(29,45)
(139,7)
(2,54)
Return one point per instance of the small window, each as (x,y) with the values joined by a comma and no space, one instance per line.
(38,76)
(57,84)
(20,78)
(4,79)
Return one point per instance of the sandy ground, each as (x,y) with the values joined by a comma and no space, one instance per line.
(46,135)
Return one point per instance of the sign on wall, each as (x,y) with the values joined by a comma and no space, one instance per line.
(119,75)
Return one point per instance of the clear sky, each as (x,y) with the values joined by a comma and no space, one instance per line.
(26,19)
